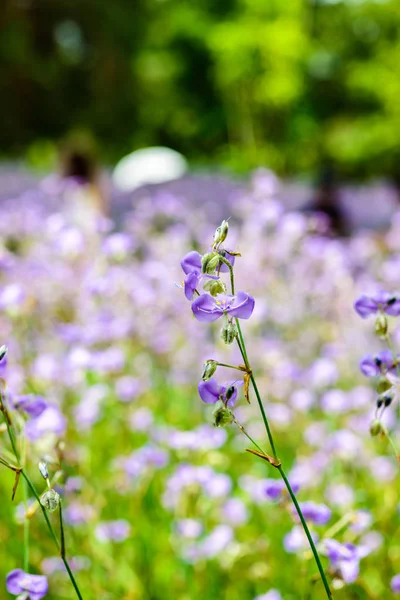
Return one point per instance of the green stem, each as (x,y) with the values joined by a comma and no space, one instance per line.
(26,520)
(35,493)
(242,348)
(230,366)
(62,552)
(306,531)
(243,430)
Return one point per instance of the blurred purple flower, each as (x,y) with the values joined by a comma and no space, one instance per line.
(211,391)
(113,531)
(271,595)
(344,558)
(32,405)
(19,582)
(381,301)
(319,514)
(54,564)
(207,308)
(127,388)
(296,540)
(395,584)
(189,528)
(50,420)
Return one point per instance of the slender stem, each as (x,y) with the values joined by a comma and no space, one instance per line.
(391,442)
(35,493)
(62,552)
(230,366)
(26,520)
(257,393)
(343,522)
(306,531)
(242,348)
(243,430)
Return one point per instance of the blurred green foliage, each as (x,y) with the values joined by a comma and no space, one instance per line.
(236,82)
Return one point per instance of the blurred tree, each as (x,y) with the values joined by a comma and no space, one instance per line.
(239,82)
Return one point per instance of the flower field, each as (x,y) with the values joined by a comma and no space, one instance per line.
(101,384)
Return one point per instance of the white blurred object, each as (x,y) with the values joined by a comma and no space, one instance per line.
(150,165)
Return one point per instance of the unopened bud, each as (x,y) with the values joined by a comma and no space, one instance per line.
(209,262)
(3,352)
(383,385)
(43,470)
(221,232)
(229,392)
(375,427)
(222,417)
(215,286)
(381,325)
(228,333)
(50,500)
(385,399)
(210,366)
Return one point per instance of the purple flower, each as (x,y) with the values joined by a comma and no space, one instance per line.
(50,421)
(206,308)
(344,558)
(191,266)
(3,361)
(271,595)
(18,582)
(381,301)
(211,391)
(395,584)
(113,531)
(382,362)
(31,404)
(191,263)
(319,514)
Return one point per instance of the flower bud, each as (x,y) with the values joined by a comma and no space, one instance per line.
(375,427)
(222,417)
(383,385)
(3,352)
(215,287)
(381,325)
(50,500)
(221,232)
(210,366)
(228,333)
(209,262)
(43,470)
(386,398)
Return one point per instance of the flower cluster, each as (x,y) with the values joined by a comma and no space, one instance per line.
(385,365)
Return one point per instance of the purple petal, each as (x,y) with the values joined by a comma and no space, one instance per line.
(191,262)
(395,584)
(369,367)
(12,581)
(365,306)
(32,405)
(205,309)
(190,284)
(18,582)
(209,391)
(349,570)
(393,308)
(242,306)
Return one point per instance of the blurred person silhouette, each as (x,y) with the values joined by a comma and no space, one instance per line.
(86,189)
(326,201)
